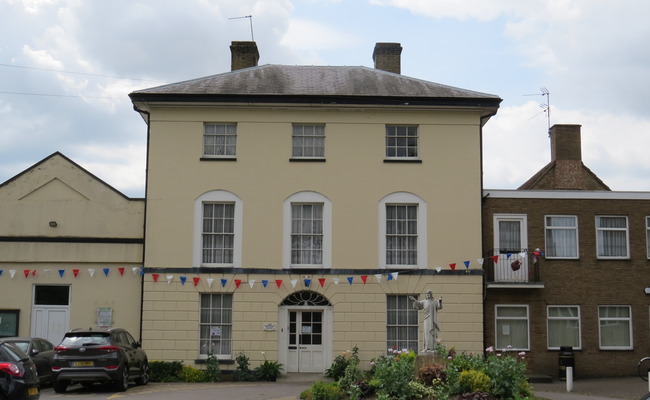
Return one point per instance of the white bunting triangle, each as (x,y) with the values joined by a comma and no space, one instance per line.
(169,279)
(293,282)
(251,282)
(91,271)
(210,280)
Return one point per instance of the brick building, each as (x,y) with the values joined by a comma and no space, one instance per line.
(572,267)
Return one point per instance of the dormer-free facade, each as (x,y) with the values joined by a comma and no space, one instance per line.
(292,210)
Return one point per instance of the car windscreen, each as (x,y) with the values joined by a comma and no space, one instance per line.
(86,339)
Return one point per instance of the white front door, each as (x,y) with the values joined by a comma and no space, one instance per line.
(50,312)
(305,341)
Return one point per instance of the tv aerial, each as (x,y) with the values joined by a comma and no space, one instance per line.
(250,18)
(546,107)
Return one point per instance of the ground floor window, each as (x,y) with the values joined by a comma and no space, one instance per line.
(401,323)
(512,327)
(563,327)
(615,327)
(216,325)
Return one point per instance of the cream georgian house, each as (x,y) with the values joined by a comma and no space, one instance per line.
(291,211)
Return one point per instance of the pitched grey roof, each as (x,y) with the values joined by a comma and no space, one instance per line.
(309,81)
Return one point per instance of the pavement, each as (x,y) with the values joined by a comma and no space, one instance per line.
(628,387)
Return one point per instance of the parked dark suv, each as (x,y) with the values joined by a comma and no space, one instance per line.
(89,356)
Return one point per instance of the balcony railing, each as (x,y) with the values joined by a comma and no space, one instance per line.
(512,268)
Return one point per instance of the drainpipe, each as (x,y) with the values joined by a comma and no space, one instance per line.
(147,117)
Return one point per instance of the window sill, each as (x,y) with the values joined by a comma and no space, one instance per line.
(404,161)
(221,361)
(218,159)
(306,160)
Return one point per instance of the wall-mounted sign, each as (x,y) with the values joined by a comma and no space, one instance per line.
(9,322)
(269,326)
(215,331)
(104,317)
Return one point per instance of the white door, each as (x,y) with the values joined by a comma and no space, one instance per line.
(305,339)
(510,244)
(50,312)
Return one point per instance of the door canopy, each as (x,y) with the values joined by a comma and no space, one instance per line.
(305,298)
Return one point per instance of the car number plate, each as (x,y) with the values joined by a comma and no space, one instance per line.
(82,364)
(32,391)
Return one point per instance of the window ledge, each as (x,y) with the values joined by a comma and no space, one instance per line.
(297,159)
(204,361)
(218,159)
(404,161)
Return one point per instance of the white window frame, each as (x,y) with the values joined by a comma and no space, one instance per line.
(550,318)
(217,196)
(574,228)
(407,146)
(604,319)
(627,237)
(304,198)
(226,136)
(404,198)
(221,356)
(496,326)
(647,236)
(315,137)
(410,322)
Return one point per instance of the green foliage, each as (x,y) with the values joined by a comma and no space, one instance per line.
(508,375)
(191,374)
(212,371)
(473,381)
(392,375)
(269,371)
(323,391)
(243,372)
(165,371)
(421,391)
(432,373)
(476,396)
(341,362)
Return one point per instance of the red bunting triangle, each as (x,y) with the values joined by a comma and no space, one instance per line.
(237,282)
(452,266)
(322,281)
(364,278)
(278,283)
(196,280)
(75,272)
(121,269)
(495,258)
(34,273)
(155,277)
(26,272)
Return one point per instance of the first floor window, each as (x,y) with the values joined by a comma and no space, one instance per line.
(561,236)
(401,323)
(615,327)
(401,234)
(218,233)
(220,140)
(401,141)
(307,234)
(611,235)
(512,327)
(647,237)
(216,324)
(563,326)
(308,141)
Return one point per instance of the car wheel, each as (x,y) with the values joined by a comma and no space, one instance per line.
(123,383)
(60,386)
(144,378)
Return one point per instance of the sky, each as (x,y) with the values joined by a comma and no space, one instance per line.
(67,67)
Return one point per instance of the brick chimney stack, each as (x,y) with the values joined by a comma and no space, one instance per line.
(565,142)
(243,55)
(387,57)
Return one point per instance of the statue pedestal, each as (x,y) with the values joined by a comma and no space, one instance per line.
(429,357)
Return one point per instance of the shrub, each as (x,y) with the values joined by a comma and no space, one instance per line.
(473,381)
(421,391)
(431,373)
(341,362)
(191,374)
(476,396)
(165,371)
(269,371)
(243,372)
(323,391)
(212,371)
(508,375)
(392,376)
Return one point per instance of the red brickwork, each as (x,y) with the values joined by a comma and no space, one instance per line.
(587,282)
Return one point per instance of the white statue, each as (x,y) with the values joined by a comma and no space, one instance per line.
(430,307)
